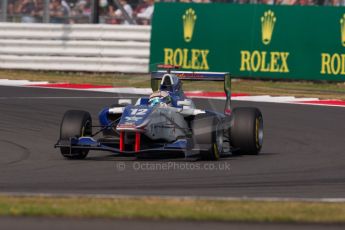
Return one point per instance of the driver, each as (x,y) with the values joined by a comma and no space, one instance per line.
(161,98)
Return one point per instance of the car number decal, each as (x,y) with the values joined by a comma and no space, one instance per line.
(138,112)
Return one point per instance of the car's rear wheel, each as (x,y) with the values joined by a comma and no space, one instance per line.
(208,136)
(75,123)
(246,132)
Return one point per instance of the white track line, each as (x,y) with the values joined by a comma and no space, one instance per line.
(30,98)
(147,91)
(6,82)
(210,198)
(129,90)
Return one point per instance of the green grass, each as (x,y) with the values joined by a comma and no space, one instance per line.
(78,77)
(173,209)
(323,90)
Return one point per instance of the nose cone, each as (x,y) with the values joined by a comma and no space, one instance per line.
(134,117)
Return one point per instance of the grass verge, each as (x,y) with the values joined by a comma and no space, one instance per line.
(173,209)
(323,90)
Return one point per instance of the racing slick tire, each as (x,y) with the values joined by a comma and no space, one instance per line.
(75,123)
(207,136)
(246,132)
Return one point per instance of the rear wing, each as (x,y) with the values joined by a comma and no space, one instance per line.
(157,76)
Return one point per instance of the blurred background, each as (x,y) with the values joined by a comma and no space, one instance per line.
(111,11)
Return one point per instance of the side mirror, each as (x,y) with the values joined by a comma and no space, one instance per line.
(125,101)
(184,103)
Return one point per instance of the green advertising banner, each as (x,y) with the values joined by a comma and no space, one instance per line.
(276,42)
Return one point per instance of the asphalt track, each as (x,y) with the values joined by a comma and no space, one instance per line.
(303,154)
(32,223)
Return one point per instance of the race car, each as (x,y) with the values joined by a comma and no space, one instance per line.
(165,124)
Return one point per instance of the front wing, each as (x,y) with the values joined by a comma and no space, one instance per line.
(179,148)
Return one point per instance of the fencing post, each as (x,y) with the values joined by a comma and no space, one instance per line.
(4,11)
(46,11)
(95,12)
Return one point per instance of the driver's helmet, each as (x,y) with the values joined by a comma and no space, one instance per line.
(160,98)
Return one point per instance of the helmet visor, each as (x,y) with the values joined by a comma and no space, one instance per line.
(154,101)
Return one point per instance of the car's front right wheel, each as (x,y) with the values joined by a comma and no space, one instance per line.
(208,136)
(75,123)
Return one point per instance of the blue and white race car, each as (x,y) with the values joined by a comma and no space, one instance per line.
(165,124)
